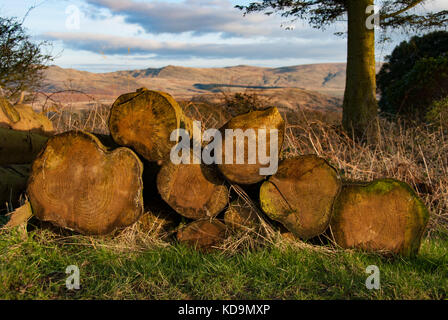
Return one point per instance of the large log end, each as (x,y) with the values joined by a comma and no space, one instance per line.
(384,215)
(246,172)
(77,184)
(144,120)
(195,191)
(301,195)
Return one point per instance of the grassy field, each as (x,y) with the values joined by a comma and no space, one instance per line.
(109,269)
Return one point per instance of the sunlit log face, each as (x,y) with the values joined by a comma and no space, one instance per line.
(77,184)
(144,120)
(301,195)
(194,190)
(23,118)
(385,215)
(248,172)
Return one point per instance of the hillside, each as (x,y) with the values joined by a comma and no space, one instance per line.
(316,86)
(181,81)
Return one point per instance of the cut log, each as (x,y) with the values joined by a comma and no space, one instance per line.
(301,195)
(384,215)
(23,118)
(13,180)
(144,121)
(77,184)
(240,216)
(202,234)
(247,172)
(195,191)
(18,147)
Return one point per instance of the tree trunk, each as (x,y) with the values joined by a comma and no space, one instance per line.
(19,147)
(195,191)
(13,181)
(384,215)
(144,120)
(360,106)
(76,183)
(301,195)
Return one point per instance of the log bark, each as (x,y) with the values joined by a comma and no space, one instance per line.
(13,181)
(18,147)
(384,215)
(144,121)
(23,118)
(301,195)
(202,234)
(76,183)
(195,191)
(247,173)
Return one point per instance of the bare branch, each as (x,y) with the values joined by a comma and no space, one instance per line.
(410,6)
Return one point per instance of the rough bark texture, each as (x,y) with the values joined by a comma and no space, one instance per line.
(265,119)
(18,147)
(202,234)
(195,191)
(301,195)
(239,216)
(23,118)
(13,181)
(384,215)
(144,120)
(76,183)
(360,106)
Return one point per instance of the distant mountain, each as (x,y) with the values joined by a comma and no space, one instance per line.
(328,78)
(315,86)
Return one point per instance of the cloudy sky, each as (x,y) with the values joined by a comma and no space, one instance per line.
(109,35)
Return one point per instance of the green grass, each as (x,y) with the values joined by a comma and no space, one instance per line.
(35,269)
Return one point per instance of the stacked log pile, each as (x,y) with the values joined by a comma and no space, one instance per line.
(78,183)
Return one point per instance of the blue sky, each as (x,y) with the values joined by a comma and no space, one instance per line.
(109,35)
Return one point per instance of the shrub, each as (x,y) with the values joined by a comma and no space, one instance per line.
(438,113)
(415,74)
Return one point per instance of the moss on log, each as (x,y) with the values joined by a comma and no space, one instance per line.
(247,173)
(23,118)
(384,215)
(76,183)
(144,120)
(195,191)
(202,234)
(301,195)
(13,181)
